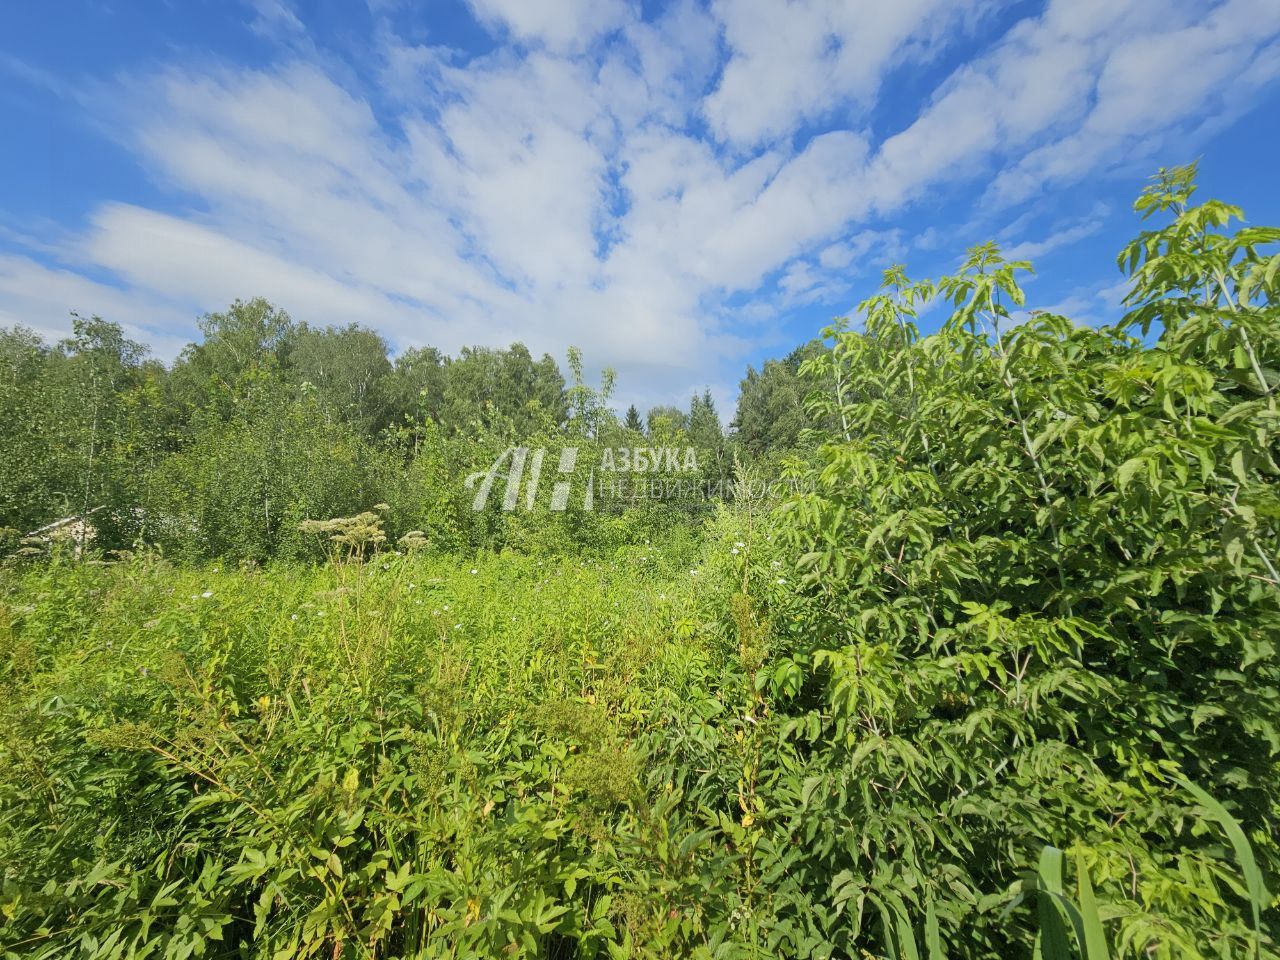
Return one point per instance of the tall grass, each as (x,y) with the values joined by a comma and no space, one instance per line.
(398,757)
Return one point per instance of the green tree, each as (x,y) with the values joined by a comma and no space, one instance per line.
(350,370)
(632,420)
(492,387)
(666,417)
(240,487)
(243,353)
(80,420)
(417,385)
(588,407)
(771,414)
(707,436)
(28,457)
(1037,564)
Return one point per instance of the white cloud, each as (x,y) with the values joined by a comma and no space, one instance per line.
(1095,305)
(796,61)
(560,25)
(42,298)
(575,187)
(1038,79)
(870,248)
(676,58)
(519,159)
(1064,236)
(185,261)
(275,18)
(479,225)
(1149,83)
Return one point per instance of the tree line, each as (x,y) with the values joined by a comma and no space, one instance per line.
(266,421)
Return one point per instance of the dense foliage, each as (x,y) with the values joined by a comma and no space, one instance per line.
(297,761)
(1015,634)
(1039,587)
(267,422)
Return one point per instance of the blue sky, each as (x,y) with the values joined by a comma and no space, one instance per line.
(680,189)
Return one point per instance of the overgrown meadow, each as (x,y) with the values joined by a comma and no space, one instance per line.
(998,678)
(405,756)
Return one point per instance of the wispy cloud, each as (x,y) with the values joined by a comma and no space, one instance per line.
(1064,236)
(792,63)
(1171,69)
(613,181)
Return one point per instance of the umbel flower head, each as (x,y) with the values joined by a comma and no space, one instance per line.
(413,540)
(353,536)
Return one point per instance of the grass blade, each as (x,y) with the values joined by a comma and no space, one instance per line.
(1053,929)
(907,938)
(932,938)
(1094,946)
(1258,895)
(886,921)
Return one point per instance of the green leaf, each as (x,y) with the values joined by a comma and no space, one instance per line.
(1095,940)
(1054,944)
(1258,896)
(932,937)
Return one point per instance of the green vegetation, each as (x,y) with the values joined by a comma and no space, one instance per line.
(999,680)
